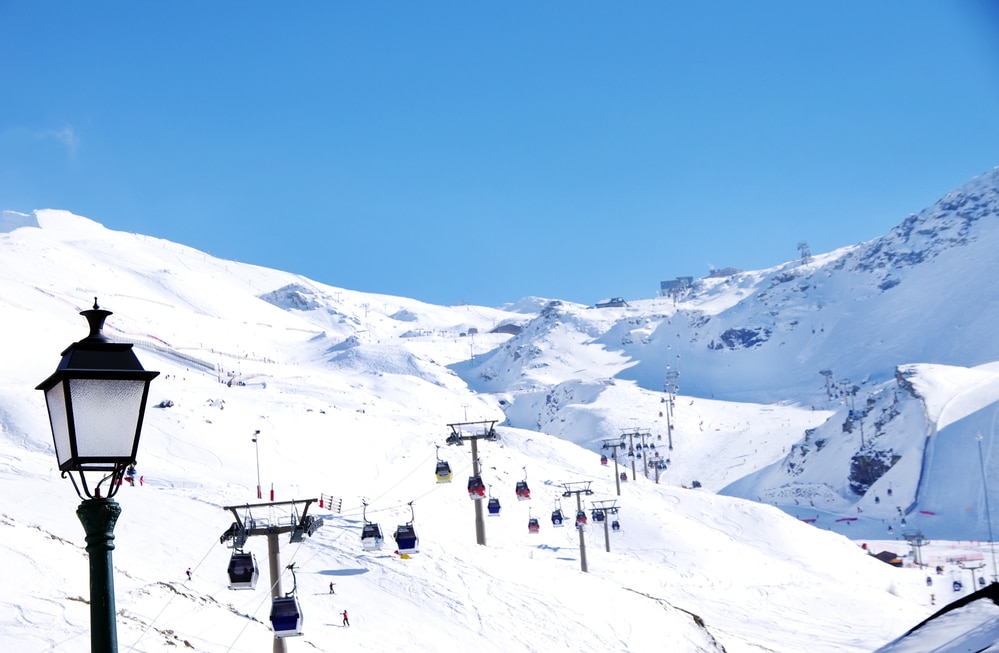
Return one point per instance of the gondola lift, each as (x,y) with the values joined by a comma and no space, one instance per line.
(371,533)
(615,525)
(598,515)
(533,527)
(580,518)
(624,476)
(493,505)
(406,541)
(476,488)
(557,516)
(243,571)
(603,459)
(523,492)
(286,613)
(443,472)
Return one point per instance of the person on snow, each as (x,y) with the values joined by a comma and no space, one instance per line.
(188,573)
(331,588)
(346,622)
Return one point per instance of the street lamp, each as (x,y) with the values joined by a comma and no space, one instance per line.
(96,400)
(257,446)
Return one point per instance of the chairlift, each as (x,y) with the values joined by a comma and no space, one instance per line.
(286,613)
(476,488)
(371,533)
(243,571)
(443,472)
(523,492)
(406,540)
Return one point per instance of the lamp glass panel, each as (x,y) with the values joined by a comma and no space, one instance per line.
(106,415)
(55,399)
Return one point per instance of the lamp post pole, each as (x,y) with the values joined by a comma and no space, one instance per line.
(988,511)
(257,446)
(99,516)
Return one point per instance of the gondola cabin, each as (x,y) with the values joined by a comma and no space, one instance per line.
(599,516)
(243,571)
(476,489)
(286,616)
(443,471)
(624,476)
(523,492)
(603,460)
(406,540)
(580,518)
(494,507)
(557,518)
(533,526)
(615,525)
(371,537)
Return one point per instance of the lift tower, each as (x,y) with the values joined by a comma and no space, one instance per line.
(488,433)
(298,525)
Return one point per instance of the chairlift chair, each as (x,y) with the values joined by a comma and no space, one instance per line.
(243,571)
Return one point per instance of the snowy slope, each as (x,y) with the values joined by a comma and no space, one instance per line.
(352,394)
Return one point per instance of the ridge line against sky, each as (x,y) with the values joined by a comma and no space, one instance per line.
(472,152)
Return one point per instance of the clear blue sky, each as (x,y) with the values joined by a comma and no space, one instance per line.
(485,151)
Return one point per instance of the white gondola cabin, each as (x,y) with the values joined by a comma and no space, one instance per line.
(371,537)
(243,571)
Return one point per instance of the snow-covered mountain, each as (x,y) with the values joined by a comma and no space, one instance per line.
(880,352)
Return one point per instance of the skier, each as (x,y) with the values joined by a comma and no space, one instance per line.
(331,588)
(346,622)
(188,573)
